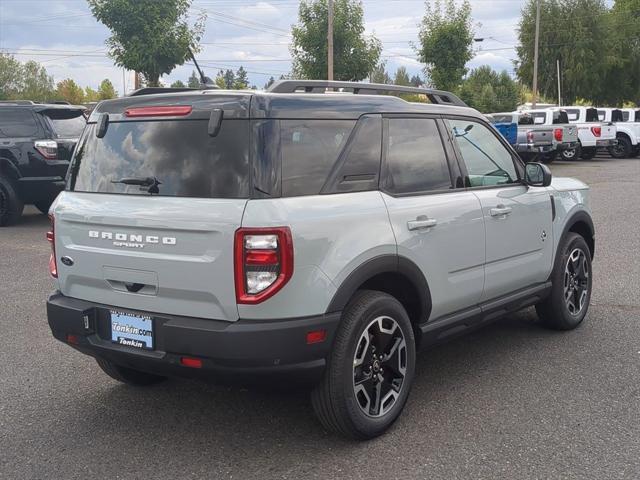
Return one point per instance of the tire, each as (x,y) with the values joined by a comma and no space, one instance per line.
(588,153)
(43,205)
(548,158)
(635,152)
(570,268)
(622,149)
(347,409)
(128,375)
(10,204)
(571,153)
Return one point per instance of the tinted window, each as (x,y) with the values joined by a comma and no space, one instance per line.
(359,165)
(309,149)
(497,118)
(17,122)
(539,117)
(415,160)
(560,117)
(525,120)
(625,116)
(573,114)
(180,154)
(592,115)
(487,160)
(601,115)
(68,127)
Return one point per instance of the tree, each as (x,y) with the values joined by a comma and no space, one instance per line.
(178,84)
(416,81)
(194,80)
(402,77)
(229,79)
(90,95)
(69,91)
(148,36)
(10,76)
(354,54)
(269,83)
(625,20)
(106,90)
(445,40)
(242,80)
(489,91)
(579,34)
(379,74)
(36,84)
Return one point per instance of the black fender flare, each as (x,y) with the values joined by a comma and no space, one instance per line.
(378,265)
(8,166)
(584,217)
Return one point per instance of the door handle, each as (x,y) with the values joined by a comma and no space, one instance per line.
(421,223)
(500,211)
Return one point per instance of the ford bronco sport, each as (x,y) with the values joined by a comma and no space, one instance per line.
(303,233)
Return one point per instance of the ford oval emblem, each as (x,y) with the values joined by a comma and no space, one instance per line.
(68,261)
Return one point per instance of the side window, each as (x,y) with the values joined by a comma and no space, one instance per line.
(309,149)
(17,122)
(415,161)
(487,160)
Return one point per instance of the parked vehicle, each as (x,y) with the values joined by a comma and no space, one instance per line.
(565,133)
(508,130)
(36,142)
(592,134)
(534,142)
(627,122)
(298,233)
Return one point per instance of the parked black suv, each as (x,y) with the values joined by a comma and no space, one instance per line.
(36,143)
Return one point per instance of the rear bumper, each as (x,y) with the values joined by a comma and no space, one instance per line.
(246,350)
(533,148)
(610,142)
(568,145)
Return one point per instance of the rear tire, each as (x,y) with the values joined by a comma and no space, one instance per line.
(571,153)
(622,149)
(370,370)
(10,204)
(128,375)
(588,153)
(571,280)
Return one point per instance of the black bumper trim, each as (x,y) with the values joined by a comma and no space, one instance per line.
(245,348)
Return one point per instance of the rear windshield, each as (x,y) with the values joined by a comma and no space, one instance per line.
(184,159)
(502,118)
(560,117)
(539,117)
(625,116)
(68,127)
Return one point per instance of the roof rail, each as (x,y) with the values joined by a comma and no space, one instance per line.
(439,97)
(154,90)
(16,102)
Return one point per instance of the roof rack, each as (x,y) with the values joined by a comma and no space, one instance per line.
(439,97)
(154,90)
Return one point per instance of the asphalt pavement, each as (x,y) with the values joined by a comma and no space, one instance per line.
(511,401)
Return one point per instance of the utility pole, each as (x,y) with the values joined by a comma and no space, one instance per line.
(535,57)
(330,42)
(559,95)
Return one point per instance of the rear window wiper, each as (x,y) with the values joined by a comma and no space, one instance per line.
(151,182)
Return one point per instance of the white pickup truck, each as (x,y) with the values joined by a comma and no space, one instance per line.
(592,133)
(627,122)
(565,133)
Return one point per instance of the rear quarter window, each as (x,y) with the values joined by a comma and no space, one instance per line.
(17,122)
(180,154)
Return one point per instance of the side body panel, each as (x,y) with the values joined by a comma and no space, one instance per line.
(332,236)
(570,197)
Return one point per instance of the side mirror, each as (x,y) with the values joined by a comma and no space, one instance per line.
(537,175)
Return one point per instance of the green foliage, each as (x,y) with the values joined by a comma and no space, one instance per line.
(70,91)
(445,40)
(193,80)
(28,81)
(91,95)
(402,77)
(241,79)
(178,84)
(489,91)
(148,36)
(269,83)
(599,60)
(379,74)
(355,55)
(416,81)
(106,90)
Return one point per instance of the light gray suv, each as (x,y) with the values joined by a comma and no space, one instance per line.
(317,232)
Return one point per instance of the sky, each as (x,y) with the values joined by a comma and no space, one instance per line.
(70,43)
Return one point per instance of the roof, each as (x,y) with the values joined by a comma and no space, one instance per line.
(38,107)
(261,104)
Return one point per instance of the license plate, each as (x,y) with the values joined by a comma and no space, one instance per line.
(132,330)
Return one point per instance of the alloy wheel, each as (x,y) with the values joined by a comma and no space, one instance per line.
(379,366)
(576,281)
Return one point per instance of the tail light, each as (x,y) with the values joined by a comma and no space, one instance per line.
(263,262)
(165,111)
(597,131)
(557,134)
(529,136)
(47,148)
(51,238)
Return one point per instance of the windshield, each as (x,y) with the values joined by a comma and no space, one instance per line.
(67,126)
(179,157)
(539,117)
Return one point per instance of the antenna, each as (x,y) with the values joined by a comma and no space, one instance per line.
(204,80)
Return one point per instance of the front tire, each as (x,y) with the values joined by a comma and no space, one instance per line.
(128,375)
(571,280)
(571,153)
(10,204)
(370,369)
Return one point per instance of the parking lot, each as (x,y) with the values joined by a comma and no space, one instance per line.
(510,401)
